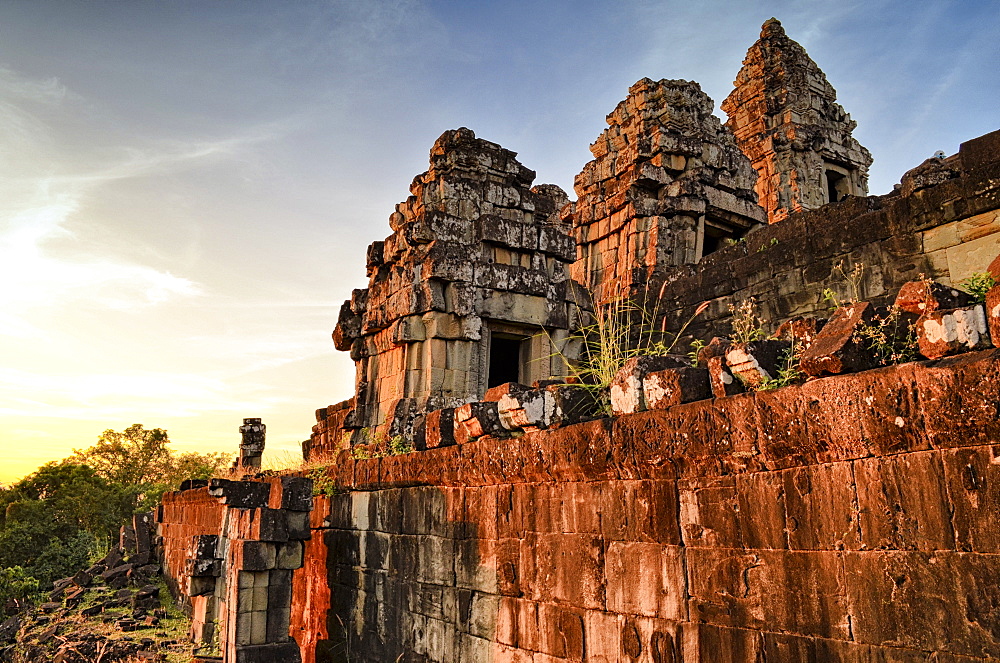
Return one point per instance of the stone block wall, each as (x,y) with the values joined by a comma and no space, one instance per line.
(229,549)
(942,222)
(851,518)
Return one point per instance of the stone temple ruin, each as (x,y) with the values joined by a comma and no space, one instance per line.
(469,503)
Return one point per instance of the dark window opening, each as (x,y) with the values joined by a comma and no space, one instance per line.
(505,359)
(719,233)
(711,244)
(836,186)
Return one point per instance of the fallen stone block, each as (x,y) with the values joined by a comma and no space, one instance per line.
(116,572)
(755,363)
(992,308)
(112,559)
(673,386)
(921,297)
(93,610)
(505,389)
(526,410)
(626,388)
(800,331)
(721,381)
(82,579)
(573,404)
(837,348)
(9,629)
(953,331)
(474,420)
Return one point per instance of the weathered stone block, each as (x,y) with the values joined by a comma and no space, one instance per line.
(819,503)
(800,330)
(760,589)
(755,363)
(920,297)
(721,380)
(952,331)
(474,420)
(202,567)
(292,493)
(837,348)
(259,524)
(287,652)
(530,409)
(242,494)
(903,502)
(972,475)
(627,394)
(252,555)
(909,599)
(673,386)
(289,555)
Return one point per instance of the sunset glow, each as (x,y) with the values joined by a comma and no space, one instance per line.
(187,189)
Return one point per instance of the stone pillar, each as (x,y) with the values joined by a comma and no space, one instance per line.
(252,446)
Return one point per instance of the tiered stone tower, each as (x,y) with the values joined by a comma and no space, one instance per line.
(667,185)
(786,119)
(470,290)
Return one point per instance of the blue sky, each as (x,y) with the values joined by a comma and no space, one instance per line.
(187,188)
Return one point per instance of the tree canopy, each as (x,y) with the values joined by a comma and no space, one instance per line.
(53,520)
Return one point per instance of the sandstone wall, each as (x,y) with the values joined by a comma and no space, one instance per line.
(852,518)
(229,549)
(943,222)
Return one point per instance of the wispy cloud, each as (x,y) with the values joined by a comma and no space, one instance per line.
(44,197)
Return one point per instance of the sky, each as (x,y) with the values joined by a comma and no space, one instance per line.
(187,188)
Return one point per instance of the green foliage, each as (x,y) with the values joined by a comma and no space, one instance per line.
(747,325)
(789,369)
(64,557)
(379,445)
(133,457)
(56,520)
(607,344)
(16,584)
(323,483)
(695,347)
(766,246)
(139,460)
(890,338)
(978,285)
(53,520)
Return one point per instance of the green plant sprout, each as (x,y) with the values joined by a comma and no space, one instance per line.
(977,285)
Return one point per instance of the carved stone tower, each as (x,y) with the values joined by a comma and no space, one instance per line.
(470,291)
(667,185)
(786,119)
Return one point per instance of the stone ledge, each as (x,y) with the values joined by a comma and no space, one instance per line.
(954,402)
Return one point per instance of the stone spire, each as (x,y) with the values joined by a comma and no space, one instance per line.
(786,119)
(667,185)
